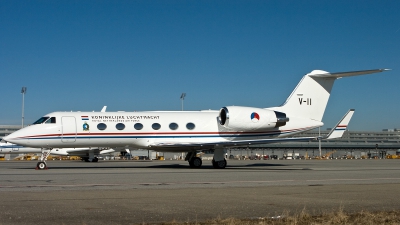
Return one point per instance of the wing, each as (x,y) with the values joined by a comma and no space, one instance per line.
(81,151)
(341,126)
(184,147)
(336,132)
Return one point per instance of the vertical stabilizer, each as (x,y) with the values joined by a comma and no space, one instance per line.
(310,97)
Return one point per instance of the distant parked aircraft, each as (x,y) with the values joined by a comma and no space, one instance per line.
(87,154)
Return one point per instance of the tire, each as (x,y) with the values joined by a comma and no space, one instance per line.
(214,164)
(220,164)
(41,165)
(197,162)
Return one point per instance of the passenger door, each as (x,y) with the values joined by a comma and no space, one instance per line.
(68,130)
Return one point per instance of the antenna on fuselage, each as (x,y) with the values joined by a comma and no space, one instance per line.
(104,109)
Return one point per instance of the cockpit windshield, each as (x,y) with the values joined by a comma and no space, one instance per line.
(45,119)
(41,120)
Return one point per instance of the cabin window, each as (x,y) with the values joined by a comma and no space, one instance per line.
(173,126)
(138,126)
(101,126)
(190,126)
(120,126)
(41,120)
(156,126)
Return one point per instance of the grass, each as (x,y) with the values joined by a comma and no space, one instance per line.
(304,218)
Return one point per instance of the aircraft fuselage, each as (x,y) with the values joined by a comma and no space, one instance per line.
(142,129)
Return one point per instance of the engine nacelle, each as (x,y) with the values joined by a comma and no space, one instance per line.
(248,118)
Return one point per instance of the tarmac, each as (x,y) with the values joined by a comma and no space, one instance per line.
(137,192)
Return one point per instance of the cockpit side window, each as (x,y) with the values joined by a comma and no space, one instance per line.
(51,120)
(41,120)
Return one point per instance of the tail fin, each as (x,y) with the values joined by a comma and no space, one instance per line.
(341,126)
(310,97)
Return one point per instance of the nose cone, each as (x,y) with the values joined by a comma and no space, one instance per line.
(15,138)
(7,138)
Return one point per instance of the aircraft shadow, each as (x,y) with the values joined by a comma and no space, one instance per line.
(144,165)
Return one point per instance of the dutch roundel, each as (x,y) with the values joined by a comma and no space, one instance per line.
(255,117)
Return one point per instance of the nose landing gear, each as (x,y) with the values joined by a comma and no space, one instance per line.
(42,164)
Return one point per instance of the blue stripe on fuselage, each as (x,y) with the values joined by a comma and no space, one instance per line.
(157,136)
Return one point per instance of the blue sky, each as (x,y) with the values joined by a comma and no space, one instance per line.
(141,55)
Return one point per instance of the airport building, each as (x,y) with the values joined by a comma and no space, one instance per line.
(8,129)
(354,144)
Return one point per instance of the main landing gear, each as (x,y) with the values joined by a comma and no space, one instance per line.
(87,159)
(219,164)
(90,157)
(194,161)
(218,161)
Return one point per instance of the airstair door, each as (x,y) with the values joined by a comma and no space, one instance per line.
(68,129)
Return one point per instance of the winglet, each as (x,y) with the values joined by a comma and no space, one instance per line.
(103,109)
(340,128)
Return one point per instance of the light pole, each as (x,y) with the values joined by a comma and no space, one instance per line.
(23,91)
(183,95)
(319,142)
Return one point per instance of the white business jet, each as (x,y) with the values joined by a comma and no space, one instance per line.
(189,131)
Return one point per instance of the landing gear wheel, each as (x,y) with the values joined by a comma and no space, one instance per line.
(219,164)
(41,166)
(195,162)
(95,159)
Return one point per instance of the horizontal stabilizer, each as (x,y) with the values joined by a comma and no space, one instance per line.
(340,128)
(321,73)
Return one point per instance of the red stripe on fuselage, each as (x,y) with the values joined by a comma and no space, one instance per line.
(168,133)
